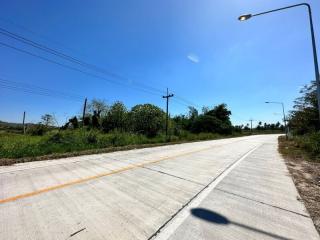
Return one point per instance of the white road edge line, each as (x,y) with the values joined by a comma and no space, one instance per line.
(171,226)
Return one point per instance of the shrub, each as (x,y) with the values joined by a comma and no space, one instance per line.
(147,119)
(310,142)
(37,130)
(91,137)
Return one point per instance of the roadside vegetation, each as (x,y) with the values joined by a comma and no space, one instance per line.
(114,127)
(304,123)
(302,150)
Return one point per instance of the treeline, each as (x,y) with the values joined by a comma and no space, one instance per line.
(149,120)
(146,119)
(215,120)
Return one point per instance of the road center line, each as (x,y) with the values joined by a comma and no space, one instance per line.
(82,180)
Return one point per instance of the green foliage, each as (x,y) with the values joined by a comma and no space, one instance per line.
(86,121)
(47,120)
(116,118)
(37,129)
(305,118)
(75,140)
(74,122)
(216,120)
(310,143)
(147,119)
(220,112)
(97,107)
(95,120)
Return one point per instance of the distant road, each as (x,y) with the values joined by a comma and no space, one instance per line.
(229,189)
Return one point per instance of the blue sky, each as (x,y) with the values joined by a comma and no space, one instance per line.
(196,48)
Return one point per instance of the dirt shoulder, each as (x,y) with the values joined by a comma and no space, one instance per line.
(306,176)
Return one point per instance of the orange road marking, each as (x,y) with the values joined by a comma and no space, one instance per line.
(82,180)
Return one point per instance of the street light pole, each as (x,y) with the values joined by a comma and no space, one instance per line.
(284,117)
(315,58)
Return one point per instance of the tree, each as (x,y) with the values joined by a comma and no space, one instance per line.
(95,120)
(216,120)
(304,118)
(193,113)
(74,122)
(116,118)
(147,119)
(206,123)
(221,112)
(98,107)
(47,120)
(259,127)
(205,109)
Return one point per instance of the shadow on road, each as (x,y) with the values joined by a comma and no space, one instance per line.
(216,218)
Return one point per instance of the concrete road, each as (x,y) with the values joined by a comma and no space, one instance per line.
(235,188)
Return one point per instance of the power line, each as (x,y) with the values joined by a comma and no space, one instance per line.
(34,87)
(83,63)
(71,58)
(70,67)
(33,92)
(44,37)
(26,88)
(187,101)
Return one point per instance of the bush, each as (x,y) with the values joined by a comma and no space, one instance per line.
(310,142)
(37,130)
(147,119)
(91,137)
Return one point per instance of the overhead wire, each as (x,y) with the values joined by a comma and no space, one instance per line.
(33,89)
(69,67)
(72,59)
(84,64)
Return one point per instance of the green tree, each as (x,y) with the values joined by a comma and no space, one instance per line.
(47,120)
(206,123)
(304,118)
(116,118)
(98,107)
(147,119)
(193,113)
(74,122)
(221,112)
(216,120)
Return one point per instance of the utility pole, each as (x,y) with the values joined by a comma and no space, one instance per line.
(251,120)
(23,122)
(167,117)
(84,111)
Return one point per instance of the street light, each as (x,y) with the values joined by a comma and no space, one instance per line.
(244,17)
(284,117)
(315,59)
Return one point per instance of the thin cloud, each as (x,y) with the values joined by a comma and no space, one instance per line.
(193,58)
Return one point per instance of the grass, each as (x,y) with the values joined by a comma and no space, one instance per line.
(301,155)
(306,146)
(55,144)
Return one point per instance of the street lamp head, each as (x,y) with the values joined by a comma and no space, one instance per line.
(267,102)
(245,17)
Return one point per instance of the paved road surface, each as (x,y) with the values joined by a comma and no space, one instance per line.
(235,188)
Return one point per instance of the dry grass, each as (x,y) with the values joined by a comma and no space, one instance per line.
(305,172)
